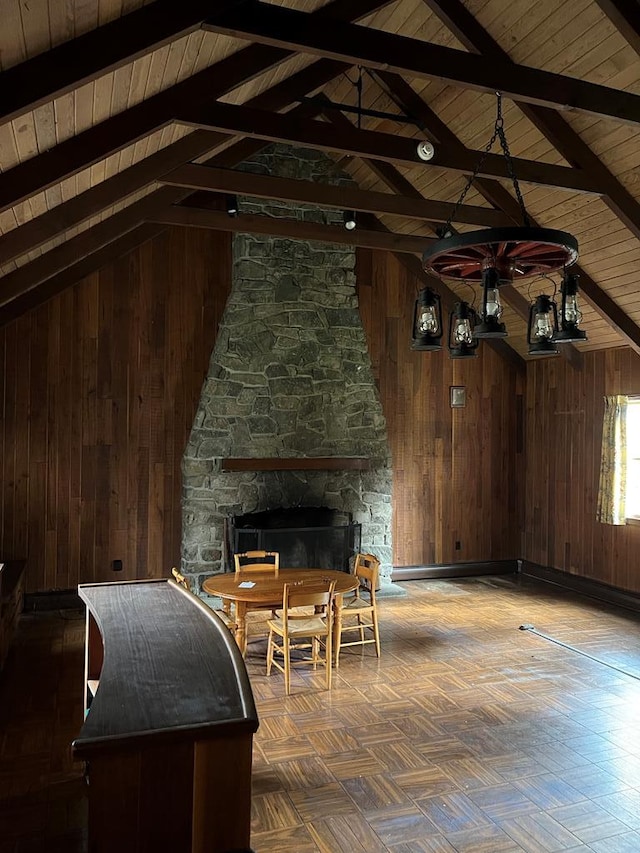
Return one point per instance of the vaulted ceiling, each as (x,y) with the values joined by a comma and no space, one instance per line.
(120,117)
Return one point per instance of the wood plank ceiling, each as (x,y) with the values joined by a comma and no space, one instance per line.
(105,103)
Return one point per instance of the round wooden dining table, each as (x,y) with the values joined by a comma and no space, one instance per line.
(267,591)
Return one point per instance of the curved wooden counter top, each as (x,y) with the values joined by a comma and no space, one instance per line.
(168,735)
(170,667)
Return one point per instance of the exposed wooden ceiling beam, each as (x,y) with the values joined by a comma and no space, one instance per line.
(25,238)
(31,275)
(89,147)
(292,30)
(625,15)
(549,122)
(277,127)
(193,217)
(74,63)
(37,231)
(82,268)
(325,195)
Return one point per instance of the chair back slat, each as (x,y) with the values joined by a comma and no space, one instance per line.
(254,562)
(308,594)
(366,568)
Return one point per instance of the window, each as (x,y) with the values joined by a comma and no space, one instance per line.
(633,458)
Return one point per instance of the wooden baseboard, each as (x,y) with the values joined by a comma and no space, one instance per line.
(454,570)
(583,586)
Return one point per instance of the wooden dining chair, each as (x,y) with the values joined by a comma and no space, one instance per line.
(250,562)
(361,607)
(226,618)
(303,629)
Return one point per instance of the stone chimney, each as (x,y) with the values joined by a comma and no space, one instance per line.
(289,377)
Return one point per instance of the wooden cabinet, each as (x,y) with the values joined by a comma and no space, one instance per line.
(168,734)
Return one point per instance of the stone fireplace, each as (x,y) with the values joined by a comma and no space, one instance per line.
(289,414)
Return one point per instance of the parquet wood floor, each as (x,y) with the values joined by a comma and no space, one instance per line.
(468,734)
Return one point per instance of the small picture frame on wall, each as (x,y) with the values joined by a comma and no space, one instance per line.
(458,396)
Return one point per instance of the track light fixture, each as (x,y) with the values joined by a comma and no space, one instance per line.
(232,205)
(349,219)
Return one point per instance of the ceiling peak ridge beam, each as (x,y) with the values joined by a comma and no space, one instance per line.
(292,30)
(112,135)
(278,127)
(398,183)
(78,209)
(549,122)
(324,195)
(76,62)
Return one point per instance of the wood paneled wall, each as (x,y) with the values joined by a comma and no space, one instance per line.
(99,387)
(456,472)
(565,408)
(98,390)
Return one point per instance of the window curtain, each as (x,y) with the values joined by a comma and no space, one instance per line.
(613,463)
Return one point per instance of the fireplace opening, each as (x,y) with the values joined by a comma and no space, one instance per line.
(305,537)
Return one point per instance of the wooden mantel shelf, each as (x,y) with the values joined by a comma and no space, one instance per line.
(310,463)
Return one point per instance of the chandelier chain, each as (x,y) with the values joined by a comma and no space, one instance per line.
(512,174)
(498,133)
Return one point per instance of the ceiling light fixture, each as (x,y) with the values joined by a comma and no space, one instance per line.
(232,205)
(492,257)
(425,150)
(349,219)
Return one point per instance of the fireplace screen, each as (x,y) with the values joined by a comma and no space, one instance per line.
(305,537)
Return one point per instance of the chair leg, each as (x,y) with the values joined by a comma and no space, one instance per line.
(287,664)
(328,656)
(376,633)
(269,652)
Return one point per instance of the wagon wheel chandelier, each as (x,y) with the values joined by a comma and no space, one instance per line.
(492,257)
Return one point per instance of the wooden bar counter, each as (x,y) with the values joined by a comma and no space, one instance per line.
(168,734)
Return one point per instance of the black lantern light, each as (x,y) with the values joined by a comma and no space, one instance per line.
(570,315)
(462,343)
(542,326)
(490,325)
(427,322)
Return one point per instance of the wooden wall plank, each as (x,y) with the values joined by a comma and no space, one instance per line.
(100,387)
(564,430)
(453,469)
